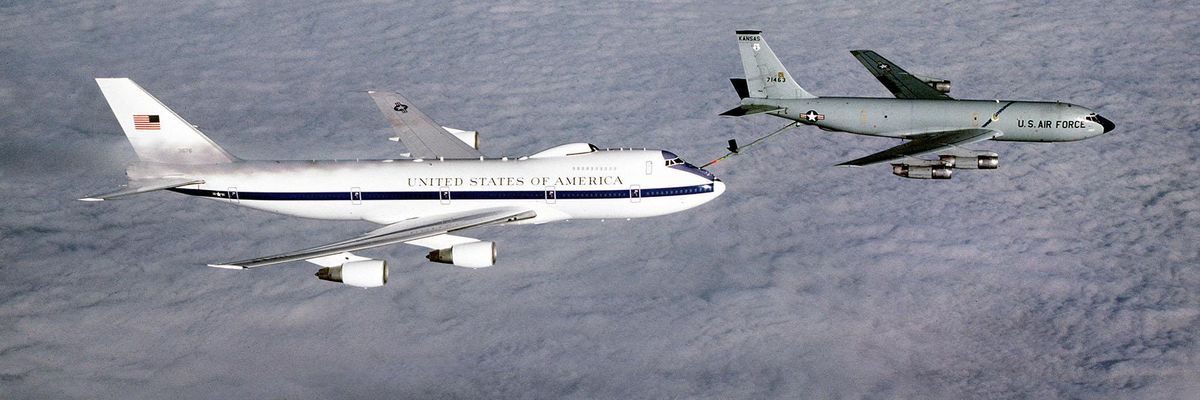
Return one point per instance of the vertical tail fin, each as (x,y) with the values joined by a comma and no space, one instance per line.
(766,77)
(157,133)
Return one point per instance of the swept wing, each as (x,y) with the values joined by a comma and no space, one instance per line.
(901,83)
(925,143)
(420,231)
(423,137)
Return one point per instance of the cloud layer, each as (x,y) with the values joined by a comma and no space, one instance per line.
(1069,272)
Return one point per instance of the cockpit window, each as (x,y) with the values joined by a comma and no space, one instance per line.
(1104,122)
(671,158)
(673,161)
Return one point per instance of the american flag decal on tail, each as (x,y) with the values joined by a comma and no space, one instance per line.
(146,123)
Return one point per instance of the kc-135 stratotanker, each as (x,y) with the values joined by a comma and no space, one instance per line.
(443,185)
(922,114)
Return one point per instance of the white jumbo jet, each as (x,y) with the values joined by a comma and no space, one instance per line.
(443,185)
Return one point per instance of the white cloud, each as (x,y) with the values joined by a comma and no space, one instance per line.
(1069,272)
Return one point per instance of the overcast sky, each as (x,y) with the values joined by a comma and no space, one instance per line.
(1070,272)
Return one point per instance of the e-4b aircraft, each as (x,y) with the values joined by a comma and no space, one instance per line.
(443,185)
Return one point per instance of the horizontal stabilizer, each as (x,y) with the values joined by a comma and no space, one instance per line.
(749,109)
(143,186)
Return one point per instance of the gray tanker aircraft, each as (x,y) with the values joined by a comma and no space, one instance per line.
(922,114)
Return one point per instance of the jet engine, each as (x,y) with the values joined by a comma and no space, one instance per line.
(922,171)
(971,159)
(940,85)
(980,161)
(469,255)
(363,274)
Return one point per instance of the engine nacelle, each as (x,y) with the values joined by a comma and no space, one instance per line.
(471,138)
(940,85)
(363,274)
(982,161)
(468,255)
(922,171)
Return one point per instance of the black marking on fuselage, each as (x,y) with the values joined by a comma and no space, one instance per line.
(457,194)
(996,116)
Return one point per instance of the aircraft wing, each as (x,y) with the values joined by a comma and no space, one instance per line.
(926,143)
(421,231)
(901,83)
(423,137)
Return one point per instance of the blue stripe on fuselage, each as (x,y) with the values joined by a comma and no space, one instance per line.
(454,194)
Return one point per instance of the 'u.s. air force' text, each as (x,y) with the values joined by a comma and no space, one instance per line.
(1048,124)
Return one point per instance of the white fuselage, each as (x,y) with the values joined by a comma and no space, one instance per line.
(595,185)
